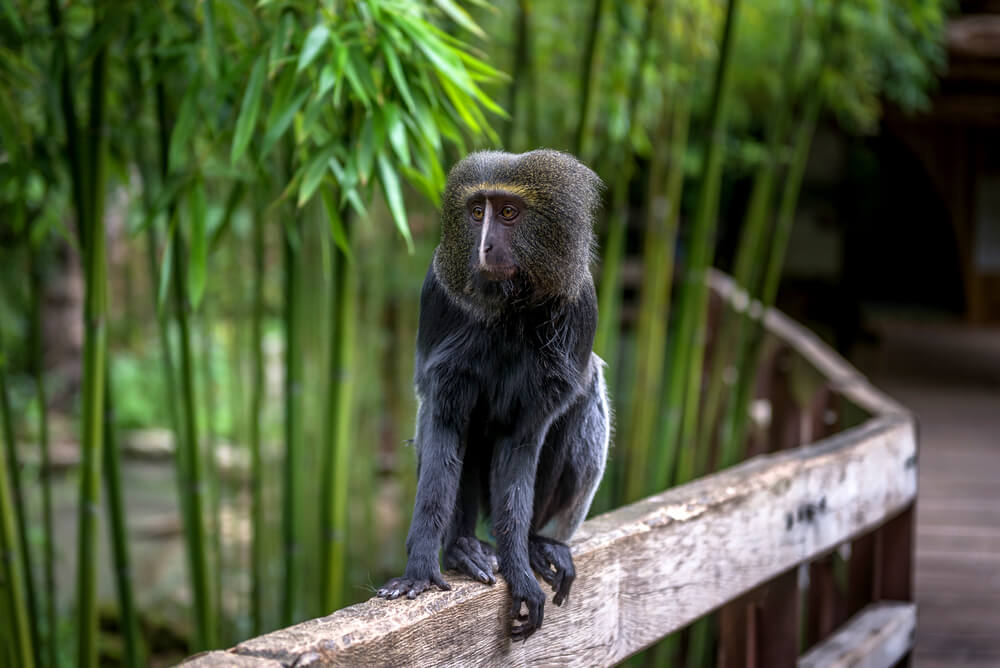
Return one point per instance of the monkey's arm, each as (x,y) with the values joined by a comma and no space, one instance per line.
(512,481)
(463,551)
(439,465)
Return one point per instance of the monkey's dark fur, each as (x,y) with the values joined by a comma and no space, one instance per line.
(513,410)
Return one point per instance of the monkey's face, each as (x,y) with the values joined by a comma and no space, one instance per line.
(516,226)
(494,215)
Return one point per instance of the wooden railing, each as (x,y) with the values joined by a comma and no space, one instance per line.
(744,541)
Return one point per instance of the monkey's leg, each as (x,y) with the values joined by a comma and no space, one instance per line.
(439,468)
(583,433)
(575,449)
(464,552)
(512,482)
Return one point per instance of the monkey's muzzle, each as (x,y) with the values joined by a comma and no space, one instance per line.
(498,272)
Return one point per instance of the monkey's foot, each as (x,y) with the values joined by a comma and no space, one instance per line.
(553,562)
(473,557)
(411,587)
(524,591)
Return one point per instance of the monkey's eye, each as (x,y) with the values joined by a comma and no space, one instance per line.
(477,212)
(508,212)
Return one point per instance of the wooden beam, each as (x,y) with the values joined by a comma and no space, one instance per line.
(644,570)
(877,637)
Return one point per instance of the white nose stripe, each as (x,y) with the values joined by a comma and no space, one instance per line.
(487,217)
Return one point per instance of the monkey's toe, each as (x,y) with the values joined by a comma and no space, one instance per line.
(553,562)
(410,587)
(473,557)
(531,597)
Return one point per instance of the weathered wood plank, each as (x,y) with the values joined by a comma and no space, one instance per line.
(644,570)
(229,660)
(877,637)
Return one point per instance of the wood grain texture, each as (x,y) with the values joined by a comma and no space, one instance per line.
(877,637)
(644,570)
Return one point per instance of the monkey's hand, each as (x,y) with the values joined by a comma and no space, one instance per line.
(473,557)
(416,581)
(524,590)
(553,562)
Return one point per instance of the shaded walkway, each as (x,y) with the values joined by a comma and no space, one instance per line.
(950,376)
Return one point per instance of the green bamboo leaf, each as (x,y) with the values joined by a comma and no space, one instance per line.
(394,197)
(337,230)
(187,118)
(315,41)
(367,149)
(198,264)
(396,72)
(422,183)
(460,16)
(354,79)
(211,44)
(424,118)
(312,174)
(459,102)
(249,110)
(396,130)
(281,123)
(327,77)
(166,265)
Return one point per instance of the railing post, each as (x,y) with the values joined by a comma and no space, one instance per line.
(776,623)
(894,549)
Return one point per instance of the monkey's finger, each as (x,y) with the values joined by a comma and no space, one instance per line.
(564,588)
(439,581)
(541,567)
(557,580)
(470,568)
(515,608)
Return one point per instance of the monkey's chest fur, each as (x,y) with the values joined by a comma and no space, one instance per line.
(523,366)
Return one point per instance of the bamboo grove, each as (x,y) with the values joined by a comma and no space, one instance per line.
(248,191)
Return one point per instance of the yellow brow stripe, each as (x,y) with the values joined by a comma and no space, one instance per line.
(512,188)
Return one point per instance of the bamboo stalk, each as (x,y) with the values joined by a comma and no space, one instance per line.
(38,371)
(194,482)
(686,347)
(655,313)
(256,406)
(291,244)
(334,518)
(750,257)
(129,619)
(20,510)
(588,73)
(95,361)
(211,469)
(522,78)
(189,466)
(734,422)
(655,296)
(12,566)
(609,297)
(74,151)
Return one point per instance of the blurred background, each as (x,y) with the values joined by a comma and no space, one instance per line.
(217,215)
